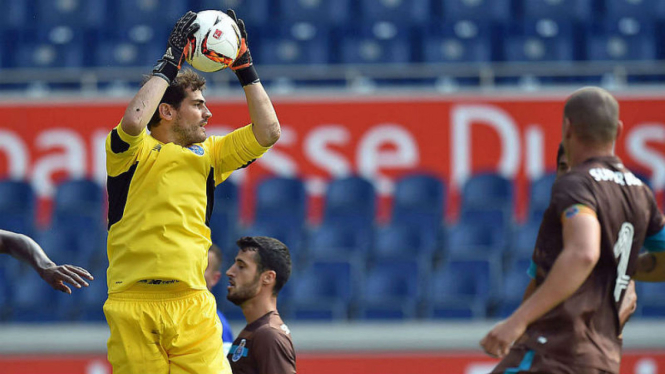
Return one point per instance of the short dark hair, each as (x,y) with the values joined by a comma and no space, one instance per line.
(271,255)
(175,93)
(559,153)
(218,255)
(593,114)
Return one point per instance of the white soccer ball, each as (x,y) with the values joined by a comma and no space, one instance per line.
(217,42)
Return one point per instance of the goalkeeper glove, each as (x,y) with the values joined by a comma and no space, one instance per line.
(169,65)
(243,65)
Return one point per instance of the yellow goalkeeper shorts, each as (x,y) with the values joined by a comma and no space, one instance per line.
(165,332)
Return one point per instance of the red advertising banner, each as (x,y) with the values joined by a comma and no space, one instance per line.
(638,362)
(380,139)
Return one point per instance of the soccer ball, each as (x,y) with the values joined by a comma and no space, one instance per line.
(216,43)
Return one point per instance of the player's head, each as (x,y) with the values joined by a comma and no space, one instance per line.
(591,118)
(182,112)
(213,272)
(262,266)
(562,166)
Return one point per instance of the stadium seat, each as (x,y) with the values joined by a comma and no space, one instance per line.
(410,11)
(299,43)
(72,12)
(64,244)
(335,241)
(632,8)
(515,282)
(478,10)
(622,39)
(160,13)
(472,240)
(651,299)
(320,12)
(281,200)
(404,241)
(462,289)
(350,201)
(289,234)
(542,39)
(17,206)
(540,195)
(14,13)
(253,12)
(383,42)
(323,291)
(419,200)
(56,47)
(78,204)
(30,296)
(223,221)
(392,290)
(487,190)
(132,45)
(574,10)
(458,42)
(523,240)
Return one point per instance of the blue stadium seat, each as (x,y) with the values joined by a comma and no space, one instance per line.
(57,47)
(539,196)
(281,200)
(472,240)
(574,10)
(459,41)
(160,13)
(487,216)
(524,239)
(412,11)
(478,10)
(404,241)
(14,13)
(131,45)
(78,204)
(419,200)
(299,43)
(632,8)
(335,241)
(71,245)
(30,296)
(651,299)
(487,190)
(622,39)
(17,206)
(93,298)
(320,12)
(223,221)
(252,12)
(383,42)
(542,39)
(350,201)
(323,291)
(462,289)
(392,290)
(73,13)
(515,282)
(287,233)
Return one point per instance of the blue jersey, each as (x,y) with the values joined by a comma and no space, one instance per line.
(227,334)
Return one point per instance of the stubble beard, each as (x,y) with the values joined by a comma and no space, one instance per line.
(240,295)
(187,135)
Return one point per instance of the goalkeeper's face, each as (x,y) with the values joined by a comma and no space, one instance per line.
(193,114)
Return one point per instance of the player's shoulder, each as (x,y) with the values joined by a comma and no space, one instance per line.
(576,177)
(274,326)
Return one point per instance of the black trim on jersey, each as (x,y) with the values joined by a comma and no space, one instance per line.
(117,144)
(246,165)
(118,189)
(210,194)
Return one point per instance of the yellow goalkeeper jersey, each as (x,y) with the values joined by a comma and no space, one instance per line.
(160,200)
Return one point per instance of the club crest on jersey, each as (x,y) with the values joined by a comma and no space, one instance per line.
(217,34)
(197,149)
(239,351)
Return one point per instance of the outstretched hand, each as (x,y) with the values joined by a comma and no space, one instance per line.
(57,275)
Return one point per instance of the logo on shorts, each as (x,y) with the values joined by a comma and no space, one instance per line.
(239,351)
(197,149)
(217,34)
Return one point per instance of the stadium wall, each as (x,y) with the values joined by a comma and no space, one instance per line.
(380,138)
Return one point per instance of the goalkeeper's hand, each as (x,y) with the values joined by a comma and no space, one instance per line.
(243,65)
(169,65)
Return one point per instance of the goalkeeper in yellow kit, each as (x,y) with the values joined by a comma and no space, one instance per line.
(160,185)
